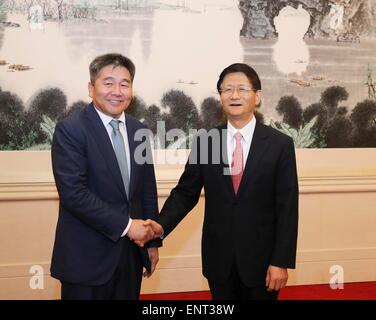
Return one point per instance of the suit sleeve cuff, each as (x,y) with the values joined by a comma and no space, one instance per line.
(127,228)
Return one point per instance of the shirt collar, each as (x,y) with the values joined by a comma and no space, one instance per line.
(246,131)
(107,119)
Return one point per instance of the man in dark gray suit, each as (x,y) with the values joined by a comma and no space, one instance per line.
(251,206)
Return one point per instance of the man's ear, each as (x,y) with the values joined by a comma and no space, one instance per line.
(90,88)
(258,98)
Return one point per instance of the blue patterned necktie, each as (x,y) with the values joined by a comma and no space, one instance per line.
(119,147)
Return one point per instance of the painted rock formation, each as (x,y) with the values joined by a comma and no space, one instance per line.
(329,19)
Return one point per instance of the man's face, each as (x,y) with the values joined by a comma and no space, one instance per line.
(112,90)
(239,98)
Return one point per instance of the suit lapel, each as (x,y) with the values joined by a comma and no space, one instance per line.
(225,165)
(258,147)
(104,146)
(131,131)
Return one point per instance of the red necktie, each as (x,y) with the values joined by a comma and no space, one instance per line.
(237,162)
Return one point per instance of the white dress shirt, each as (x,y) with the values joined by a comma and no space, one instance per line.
(247,133)
(123,129)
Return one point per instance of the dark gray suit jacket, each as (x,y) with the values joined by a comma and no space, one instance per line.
(255,227)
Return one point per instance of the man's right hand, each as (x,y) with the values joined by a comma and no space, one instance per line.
(156,229)
(140,232)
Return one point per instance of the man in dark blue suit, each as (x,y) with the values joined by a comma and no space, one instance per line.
(106,193)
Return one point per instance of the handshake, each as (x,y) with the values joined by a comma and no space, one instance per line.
(142,231)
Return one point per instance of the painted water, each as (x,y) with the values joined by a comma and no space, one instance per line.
(185,49)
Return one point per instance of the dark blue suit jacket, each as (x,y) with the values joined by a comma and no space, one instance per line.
(94,209)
